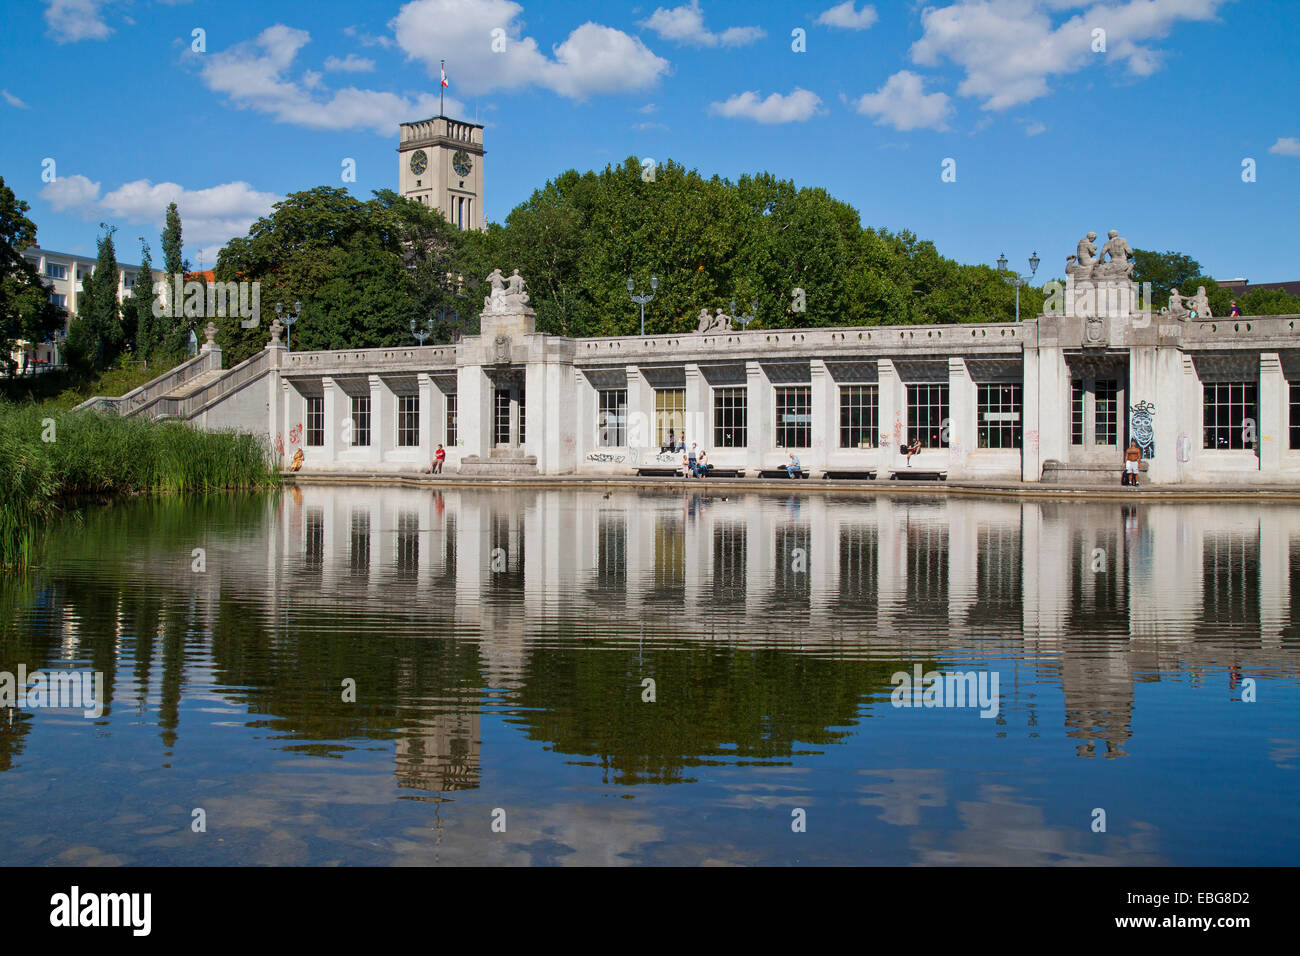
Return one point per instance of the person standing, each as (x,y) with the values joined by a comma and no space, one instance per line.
(1132,463)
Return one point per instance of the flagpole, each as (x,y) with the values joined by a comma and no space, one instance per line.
(442,87)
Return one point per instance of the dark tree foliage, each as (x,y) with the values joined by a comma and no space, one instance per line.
(26,312)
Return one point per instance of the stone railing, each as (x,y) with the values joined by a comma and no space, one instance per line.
(1251,331)
(150,391)
(757,343)
(242,374)
(355,361)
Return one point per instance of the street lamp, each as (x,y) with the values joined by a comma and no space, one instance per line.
(744,320)
(422,334)
(642,299)
(288,320)
(1016,280)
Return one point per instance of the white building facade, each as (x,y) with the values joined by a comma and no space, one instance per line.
(1055,398)
(63,273)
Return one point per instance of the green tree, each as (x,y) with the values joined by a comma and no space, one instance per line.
(145,324)
(26,312)
(1165,271)
(96,337)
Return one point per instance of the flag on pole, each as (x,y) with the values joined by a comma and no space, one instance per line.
(444,72)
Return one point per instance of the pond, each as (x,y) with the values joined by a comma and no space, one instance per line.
(352,675)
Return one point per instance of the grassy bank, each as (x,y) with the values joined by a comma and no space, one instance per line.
(48,456)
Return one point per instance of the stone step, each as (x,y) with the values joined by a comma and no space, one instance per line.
(188,388)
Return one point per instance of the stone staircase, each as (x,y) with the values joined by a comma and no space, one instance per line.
(198,382)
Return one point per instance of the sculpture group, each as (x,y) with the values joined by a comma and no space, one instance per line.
(721,322)
(507,295)
(1087,264)
(1189,306)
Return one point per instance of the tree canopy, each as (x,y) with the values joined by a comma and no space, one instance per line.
(26,312)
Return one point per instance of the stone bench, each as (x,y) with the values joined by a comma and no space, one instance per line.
(917,474)
(781,473)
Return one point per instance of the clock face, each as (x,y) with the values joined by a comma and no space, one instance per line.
(419,162)
(461,163)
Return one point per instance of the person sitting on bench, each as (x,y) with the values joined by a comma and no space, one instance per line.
(702,464)
(794,468)
(670,444)
(913,449)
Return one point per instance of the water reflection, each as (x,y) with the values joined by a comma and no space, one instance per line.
(484,629)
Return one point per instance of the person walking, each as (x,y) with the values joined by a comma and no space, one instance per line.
(1132,463)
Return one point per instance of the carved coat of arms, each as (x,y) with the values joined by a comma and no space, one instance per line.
(1094,331)
(502,349)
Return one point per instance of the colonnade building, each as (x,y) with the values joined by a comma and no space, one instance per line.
(1054,398)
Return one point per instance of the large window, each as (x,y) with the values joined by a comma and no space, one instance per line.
(1076,412)
(315,422)
(1106,410)
(360,419)
(451,419)
(613,418)
(794,416)
(1227,406)
(999,416)
(523,416)
(501,417)
(927,415)
(730,418)
(55,271)
(670,413)
(59,299)
(859,416)
(408,421)
(1295,415)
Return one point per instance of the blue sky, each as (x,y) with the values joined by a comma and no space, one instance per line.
(1051,136)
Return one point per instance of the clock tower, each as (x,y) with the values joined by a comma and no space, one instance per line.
(440,164)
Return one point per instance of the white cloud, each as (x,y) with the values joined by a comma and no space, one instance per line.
(593,59)
(684,26)
(72,192)
(209,216)
(349,64)
(69,21)
(1286,146)
(367,39)
(796,107)
(253,76)
(1033,129)
(903,104)
(1008,49)
(844,16)
(13,100)
(648,108)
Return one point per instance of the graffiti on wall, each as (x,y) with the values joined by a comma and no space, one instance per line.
(1142,428)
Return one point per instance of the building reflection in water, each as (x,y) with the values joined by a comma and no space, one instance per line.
(1090,597)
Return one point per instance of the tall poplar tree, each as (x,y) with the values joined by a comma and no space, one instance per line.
(96,336)
(142,300)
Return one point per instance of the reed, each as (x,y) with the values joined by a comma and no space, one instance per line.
(48,456)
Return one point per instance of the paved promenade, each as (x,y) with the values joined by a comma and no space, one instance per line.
(723,486)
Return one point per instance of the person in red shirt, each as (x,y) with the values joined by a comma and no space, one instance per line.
(439,457)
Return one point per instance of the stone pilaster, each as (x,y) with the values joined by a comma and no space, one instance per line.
(1271,427)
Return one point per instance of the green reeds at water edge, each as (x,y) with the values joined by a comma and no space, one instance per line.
(47,456)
